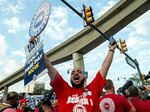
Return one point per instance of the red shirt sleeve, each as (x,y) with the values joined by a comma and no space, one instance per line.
(58,84)
(19,110)
(97,84)
(125,103)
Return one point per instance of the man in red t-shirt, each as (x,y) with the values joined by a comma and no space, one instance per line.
(139,104)
(79,98)
(112,102)
(23,104)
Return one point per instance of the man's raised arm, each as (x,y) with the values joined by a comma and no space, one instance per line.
(108,60)
(51,70)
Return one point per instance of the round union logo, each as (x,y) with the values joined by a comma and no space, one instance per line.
(79,108)
(40,19)
(107,105)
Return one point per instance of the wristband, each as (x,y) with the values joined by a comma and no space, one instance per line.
(111,50)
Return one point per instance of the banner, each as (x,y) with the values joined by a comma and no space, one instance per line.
(33,100)
(35,65)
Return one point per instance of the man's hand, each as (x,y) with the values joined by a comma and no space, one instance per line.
(113,46)
(32,39)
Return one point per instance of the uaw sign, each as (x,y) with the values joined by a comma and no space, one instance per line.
(35,66)
(40,19)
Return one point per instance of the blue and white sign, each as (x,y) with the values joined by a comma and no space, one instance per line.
(33,47)
(33,100)
(34,66)
(40,19)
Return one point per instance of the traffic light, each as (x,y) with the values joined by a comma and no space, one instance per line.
(123,46)
(88,14)
(143,78)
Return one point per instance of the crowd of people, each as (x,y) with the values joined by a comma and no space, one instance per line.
(16,103)
(81,97)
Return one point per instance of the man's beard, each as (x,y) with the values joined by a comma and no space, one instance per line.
(81,84)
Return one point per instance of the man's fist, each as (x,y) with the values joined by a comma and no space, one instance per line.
(32,39)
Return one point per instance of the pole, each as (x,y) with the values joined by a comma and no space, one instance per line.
(139,72)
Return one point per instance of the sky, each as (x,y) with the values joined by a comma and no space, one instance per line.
(15,19)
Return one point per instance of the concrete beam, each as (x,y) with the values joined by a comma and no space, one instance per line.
(124,12)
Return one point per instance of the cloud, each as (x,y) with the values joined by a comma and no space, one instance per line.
(9,66)
(141,25)
(106,8)
(58,27)
(13,24)
(138,42)
(17,8)
(18,53)
(3,48)
(11,7)
(25,26)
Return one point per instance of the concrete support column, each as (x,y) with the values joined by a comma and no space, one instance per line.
(5,93)
(78,61)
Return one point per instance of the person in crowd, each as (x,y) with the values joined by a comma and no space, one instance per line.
(39,106)
(22,106)
(36,109)
(6,108)
(79,98)
(12,102)
(13,99)
(139,104)
(47,106)
(112,102)
(1,99)
(55,105)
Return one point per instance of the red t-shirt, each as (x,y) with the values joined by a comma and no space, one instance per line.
(114,103)
(71,99)
(19,110)
(140,105)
